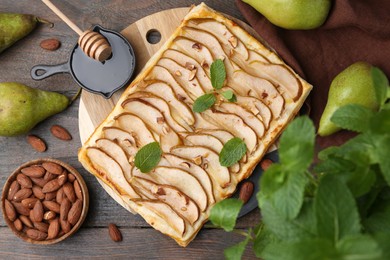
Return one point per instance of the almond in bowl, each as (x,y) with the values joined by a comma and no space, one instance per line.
(44,201)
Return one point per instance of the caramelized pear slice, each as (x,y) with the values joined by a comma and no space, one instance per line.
(222,33)
(199,173)
(177,106)
(205,140)
(110,171)
(180,179)
(162,74)
(185,60)
(176,122)
(150,116)
(183,205)
(117,153)
(251,120)
(203,156)
(235,125)
(164,212)
(257,107)
(184,77)
(133,124)
(123,138)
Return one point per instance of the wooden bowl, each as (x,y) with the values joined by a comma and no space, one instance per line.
(84,212)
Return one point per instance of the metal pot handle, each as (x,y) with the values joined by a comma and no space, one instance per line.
(40,72)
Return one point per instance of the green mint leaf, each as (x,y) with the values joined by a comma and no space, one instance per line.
(379,217)
(228,94)
(296,149)
(148,157)
(224,213)
(380,123)
(217,74)
(272,180)
(203,103)
(232,152)
(233,99)
(235,252)
(308,249)
(336,211)
(352,117)
(383,239)
(303,226)
(263,237)
(359,247)
(381,85)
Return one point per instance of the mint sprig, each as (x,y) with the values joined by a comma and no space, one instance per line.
(232,152)
(148,157)
(217,77)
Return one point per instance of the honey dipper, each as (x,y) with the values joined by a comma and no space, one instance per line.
(93,44)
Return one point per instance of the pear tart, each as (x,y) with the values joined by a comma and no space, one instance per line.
(176,196)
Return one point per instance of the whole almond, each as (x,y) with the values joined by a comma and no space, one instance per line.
(37,191)
(22,194)
(50,44)
(52,167)
(13,188)
(65,225)
(114,233)
(69,192)
(60,133)
(60,195)
(64,208)
(50,195)
(246,191)
(35,171)
(21,209)
(77,190)
(26,221)
(51,205)
(54,229)
(49,176)
(36,234)
(265,164)
(63,178)
(10,210)
(37,212)
(37,143)
(75,212)
(52,185)
(49,215)
(39,181)
(24,181)
(41,226)
(18,225)
(71,177)
(29,202)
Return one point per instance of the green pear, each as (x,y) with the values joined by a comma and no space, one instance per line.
(354,85)
(293,14)
(22,107)
(14,27)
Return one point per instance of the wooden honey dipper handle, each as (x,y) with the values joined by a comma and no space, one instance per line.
(92,43)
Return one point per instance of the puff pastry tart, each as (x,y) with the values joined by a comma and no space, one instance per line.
(176,197)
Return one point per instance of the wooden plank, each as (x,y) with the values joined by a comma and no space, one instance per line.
(137,244)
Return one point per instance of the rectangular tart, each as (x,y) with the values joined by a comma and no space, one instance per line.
(176,196)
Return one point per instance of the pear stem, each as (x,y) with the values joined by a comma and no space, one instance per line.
(41,20)
(74,97)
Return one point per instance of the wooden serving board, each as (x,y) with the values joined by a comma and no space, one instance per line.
(94,108)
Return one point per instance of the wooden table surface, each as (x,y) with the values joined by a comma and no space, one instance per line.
(140,241)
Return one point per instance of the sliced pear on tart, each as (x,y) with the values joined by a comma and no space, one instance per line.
(133,124)
(203,156)
(180,179)
(152,209)
(183,205)
(110,171)
(198,172)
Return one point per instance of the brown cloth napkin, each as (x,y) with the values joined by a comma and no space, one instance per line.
(355,30)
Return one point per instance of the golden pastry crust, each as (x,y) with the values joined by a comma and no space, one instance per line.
(272,104)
